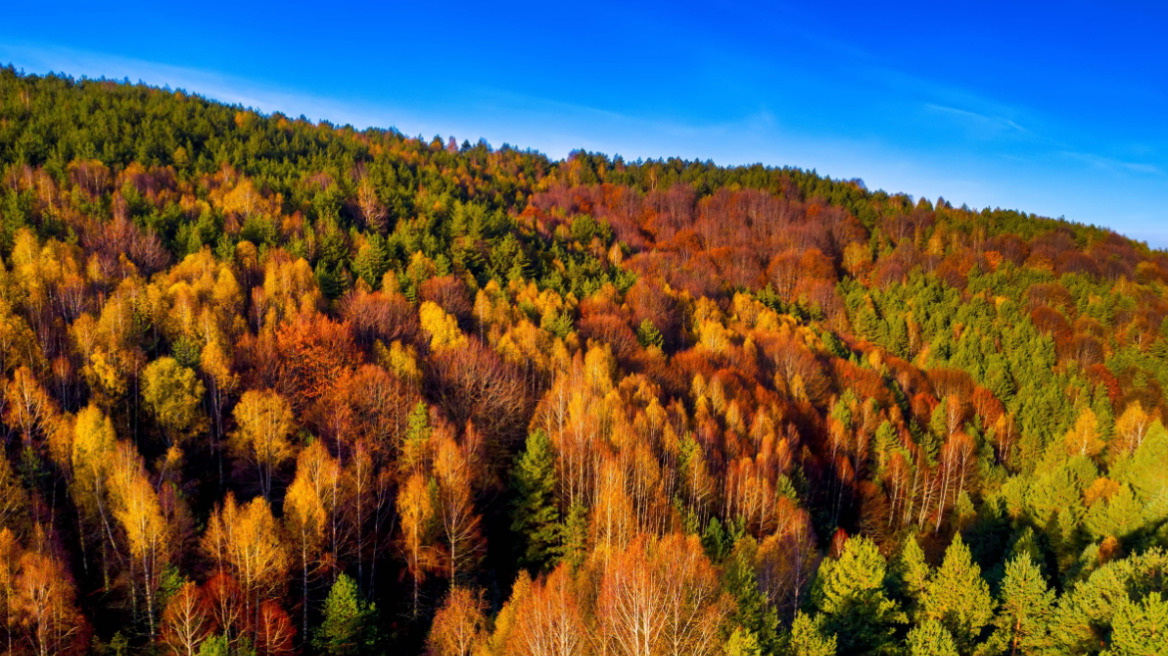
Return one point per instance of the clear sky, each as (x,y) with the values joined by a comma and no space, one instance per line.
(1061,110)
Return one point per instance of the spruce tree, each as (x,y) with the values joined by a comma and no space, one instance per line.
(958,597)
(349,624)
(534,515)
(1026,607)
(931,638)
(849,591)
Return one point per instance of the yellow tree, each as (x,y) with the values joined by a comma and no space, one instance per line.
(460,523)
(459,626)
(416,508)
(187,621)
(94,443)
(304,517)
(248,542)
(138,512)
(173,394)
(45,601)
(264,422)
(27,405)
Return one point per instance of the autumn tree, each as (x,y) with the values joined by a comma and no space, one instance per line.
(264,423)
(174,395)
(187,620)
(459,625)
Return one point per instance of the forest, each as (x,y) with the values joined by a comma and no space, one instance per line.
(272,387)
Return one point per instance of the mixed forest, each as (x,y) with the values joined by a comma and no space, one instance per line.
(270,386)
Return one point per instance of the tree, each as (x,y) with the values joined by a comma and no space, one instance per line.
(849,591)
(348,625)
(930,638)
(1024,615)
(187,621)
(264,423)
(913,575)
(808,637)
(173,394)
(459,626)
(460,523)
(958,597)
(136,507)
(45,603)
(247,542)
(1139,627)
(535,516)
(304,517)
(416,506)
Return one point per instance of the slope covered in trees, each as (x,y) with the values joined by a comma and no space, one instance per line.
(274,387)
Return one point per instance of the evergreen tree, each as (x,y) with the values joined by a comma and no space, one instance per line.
(849,591)
(912,576)
(349,624)
(808,637)
(1140,628)
(931,638)
(958,597)
(1026,607)
(534,515)
(575,543)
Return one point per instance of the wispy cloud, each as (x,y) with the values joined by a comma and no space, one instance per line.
(979,122)
(1112,164)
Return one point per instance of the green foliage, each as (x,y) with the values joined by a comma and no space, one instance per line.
(958,598)
(808,637)
(535,516)
(349,624)
(931,638)
(849,592)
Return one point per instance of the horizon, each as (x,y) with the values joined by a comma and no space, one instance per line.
(1075,139)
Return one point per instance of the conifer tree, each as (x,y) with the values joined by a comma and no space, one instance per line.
(931,638)
(958,597)
(849,591)
(347,628)
(534,515)
(1026,607)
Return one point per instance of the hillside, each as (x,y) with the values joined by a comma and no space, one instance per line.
(276,387)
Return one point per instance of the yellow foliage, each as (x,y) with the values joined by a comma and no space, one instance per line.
(442,327)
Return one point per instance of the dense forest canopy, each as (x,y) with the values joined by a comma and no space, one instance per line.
(275,387)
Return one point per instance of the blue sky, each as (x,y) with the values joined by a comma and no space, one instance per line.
(1058,110)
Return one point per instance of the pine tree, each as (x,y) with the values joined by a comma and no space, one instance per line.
(1026,607)
(912,576)
(930,638)
(534,515)
(808,637)
(1141,628)
(849,591)
(958,597)
(348,627)
(575,543)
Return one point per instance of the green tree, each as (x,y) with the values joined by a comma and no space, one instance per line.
(912,575)
(931,638)
(849,591)
(534,514)
(349,624)
(575,544)
(742,642)
(958,597)
(1026,607)
(808,637)
(1140,628)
